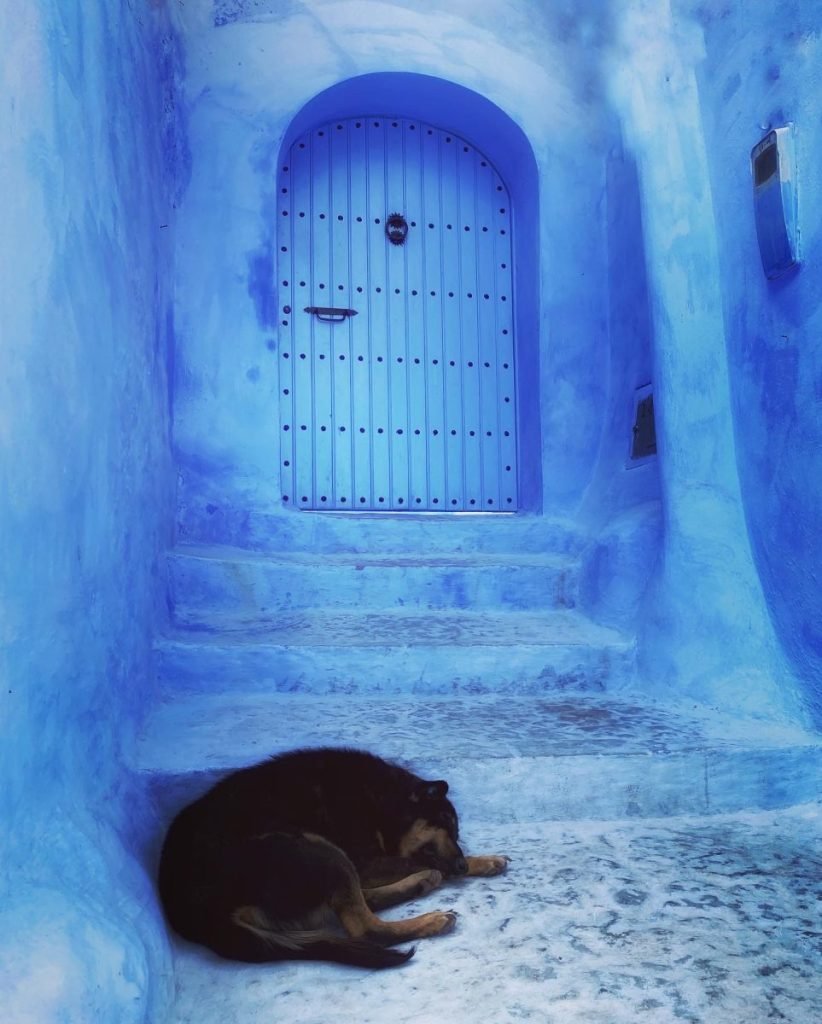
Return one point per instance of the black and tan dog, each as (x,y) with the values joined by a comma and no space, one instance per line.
(289,859)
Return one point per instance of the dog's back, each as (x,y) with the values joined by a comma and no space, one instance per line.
(347,796)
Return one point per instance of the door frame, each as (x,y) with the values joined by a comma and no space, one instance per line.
(490,129)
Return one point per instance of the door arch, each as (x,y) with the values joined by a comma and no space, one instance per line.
(413,397)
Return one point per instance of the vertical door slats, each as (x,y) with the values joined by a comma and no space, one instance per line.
(409,405)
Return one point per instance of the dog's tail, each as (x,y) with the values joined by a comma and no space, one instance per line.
(256,940)
(355,952)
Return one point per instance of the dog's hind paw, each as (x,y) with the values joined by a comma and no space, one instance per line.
(486,867)
(439,922)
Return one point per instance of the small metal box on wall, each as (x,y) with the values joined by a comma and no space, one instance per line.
(773,165)
(643,431)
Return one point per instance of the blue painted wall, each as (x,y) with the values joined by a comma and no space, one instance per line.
(761,73)
(626,110)
(706,624)
(252,68)
(131,270)
(88,152)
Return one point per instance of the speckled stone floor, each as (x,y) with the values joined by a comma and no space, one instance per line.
(705,920)
(633,894)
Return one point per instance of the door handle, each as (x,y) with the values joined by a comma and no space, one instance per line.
(330,314)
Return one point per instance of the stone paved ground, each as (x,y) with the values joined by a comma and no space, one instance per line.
(703,920)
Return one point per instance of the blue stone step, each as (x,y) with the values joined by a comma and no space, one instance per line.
(203,522)
(208,581)
(401,651)
(507,758)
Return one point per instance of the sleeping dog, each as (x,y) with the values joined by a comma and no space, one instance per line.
(289,859)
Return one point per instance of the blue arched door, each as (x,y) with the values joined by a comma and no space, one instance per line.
(397,331)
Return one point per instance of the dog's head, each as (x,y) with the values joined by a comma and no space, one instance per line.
(432,831)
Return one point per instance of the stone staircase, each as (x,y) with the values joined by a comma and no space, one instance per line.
(456,644)
(433,607)
(398,610)
(383,623)
(460,648)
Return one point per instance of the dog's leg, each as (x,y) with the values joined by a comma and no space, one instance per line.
(418,884)
(383,871)
(485,867)
(304,876)
(360,922)
(342,892)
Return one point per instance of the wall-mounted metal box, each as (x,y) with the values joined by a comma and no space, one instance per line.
(643,431)
(773,165)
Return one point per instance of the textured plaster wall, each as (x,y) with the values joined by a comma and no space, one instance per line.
(640,116)
(761,72)
(705,628)
(87,148)
(622,502)
(632,120)
(251,67)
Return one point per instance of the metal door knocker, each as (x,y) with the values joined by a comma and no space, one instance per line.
(396,227)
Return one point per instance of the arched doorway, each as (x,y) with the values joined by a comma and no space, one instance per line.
(399,376)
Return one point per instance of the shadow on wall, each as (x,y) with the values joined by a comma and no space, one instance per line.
(623,504)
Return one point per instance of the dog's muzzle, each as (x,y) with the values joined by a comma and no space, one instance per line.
(460,866)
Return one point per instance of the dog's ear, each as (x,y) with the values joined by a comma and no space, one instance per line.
(430,791)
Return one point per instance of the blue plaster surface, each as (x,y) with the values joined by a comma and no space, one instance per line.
(618,106)
(138,303)
(757,74)
(86,510)
(706,626)
(542,91)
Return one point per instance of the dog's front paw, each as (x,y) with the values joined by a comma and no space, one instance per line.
(486,867)
(425,882)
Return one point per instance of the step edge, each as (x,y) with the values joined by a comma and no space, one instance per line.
(190,641)
(699,751)
(232,555)
(544,621)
